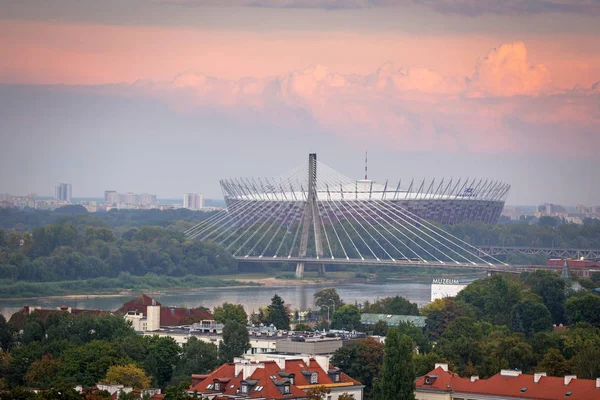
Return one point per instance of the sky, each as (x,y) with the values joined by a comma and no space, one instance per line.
(169,96)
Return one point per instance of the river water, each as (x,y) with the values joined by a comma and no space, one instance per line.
(417,290)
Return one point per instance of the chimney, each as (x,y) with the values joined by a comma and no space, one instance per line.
(568,379)
(26,310)
(474,378)
(537,376)
(444,366)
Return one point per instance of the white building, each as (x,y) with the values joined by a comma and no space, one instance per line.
(141,323)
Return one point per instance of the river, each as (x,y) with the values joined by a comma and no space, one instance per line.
(417,290)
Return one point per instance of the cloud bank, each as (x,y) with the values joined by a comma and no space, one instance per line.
(460,7)
(506,105)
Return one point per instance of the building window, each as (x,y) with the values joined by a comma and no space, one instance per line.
(217,386)
(314,378)
(286,389)
(244,388)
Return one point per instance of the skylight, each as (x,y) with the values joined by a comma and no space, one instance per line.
(258,388)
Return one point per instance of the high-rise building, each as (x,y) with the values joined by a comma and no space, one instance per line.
(146,199)
(111,197)
(193,201)
(62,192)
(130,198)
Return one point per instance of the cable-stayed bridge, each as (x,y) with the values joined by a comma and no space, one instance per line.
(314,219)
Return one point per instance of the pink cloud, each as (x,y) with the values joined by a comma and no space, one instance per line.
(506,104)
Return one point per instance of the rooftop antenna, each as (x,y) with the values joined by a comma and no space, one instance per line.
(366,163)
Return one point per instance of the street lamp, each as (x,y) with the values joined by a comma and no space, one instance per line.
(327,311)
(333,303)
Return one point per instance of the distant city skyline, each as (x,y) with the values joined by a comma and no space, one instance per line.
(168,97)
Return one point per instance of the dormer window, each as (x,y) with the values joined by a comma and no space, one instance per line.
(430,379)
(286,389)
(291,378)
(217,386)
(314,378)
(244,388)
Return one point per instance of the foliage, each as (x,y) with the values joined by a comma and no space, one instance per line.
(7,334)
(317,392)
(380,328)
(551,288)
(346,318)
(392,305)
(230,312)
(439,315)
(397,381)
(128,375)
(493,298)
(163,356)
(197,357)
(303,328)
(362,360)
(346,396)
(278,314)
(584,309)
(328,297)
(554,364)
(86,365)
(531,317)
(42,373)
(235,341)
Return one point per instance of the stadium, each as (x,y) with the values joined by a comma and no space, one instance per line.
(444,201)
(313,211)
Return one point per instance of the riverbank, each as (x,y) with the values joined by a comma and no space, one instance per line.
(130,285)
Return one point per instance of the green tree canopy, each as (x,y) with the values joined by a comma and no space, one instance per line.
(230,312)
(531,317)
(346,318)
(128,375)
(551,288)
(235,341)
(328,297)
(362,360)
(278,314)
(584,309)
(397,381)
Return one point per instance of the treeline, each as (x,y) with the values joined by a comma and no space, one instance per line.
(534,323)
(63,351)
(71,250)
(27,219)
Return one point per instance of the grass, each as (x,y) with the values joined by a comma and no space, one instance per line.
(125,282)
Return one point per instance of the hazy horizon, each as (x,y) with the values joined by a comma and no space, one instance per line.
(169,96)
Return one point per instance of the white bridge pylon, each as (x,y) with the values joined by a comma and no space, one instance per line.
(314,214)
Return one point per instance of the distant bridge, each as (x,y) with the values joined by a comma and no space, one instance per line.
(319,262)
(550,252)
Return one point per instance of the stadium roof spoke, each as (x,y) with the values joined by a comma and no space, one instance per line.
(313,211)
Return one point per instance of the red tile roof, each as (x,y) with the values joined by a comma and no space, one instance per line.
(142,300)
(519,387)
(173,316)
(267,376)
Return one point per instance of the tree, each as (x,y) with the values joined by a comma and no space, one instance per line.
(461,343)
(380,328)
(230,312)
(87,365)
(302,328)
(42,373)
(551,288)
(584,309)
(328,297)
(439,315)
(346,318)
(554,364)
(317,392)
(425,363)
(531,317)
(346,396)
(198,357)
(235,341)
(362,360)
(163,356)
(392,305)
(586,363)
(7,334)
(178,392)
(278,314)
(397,380)
(127,375)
